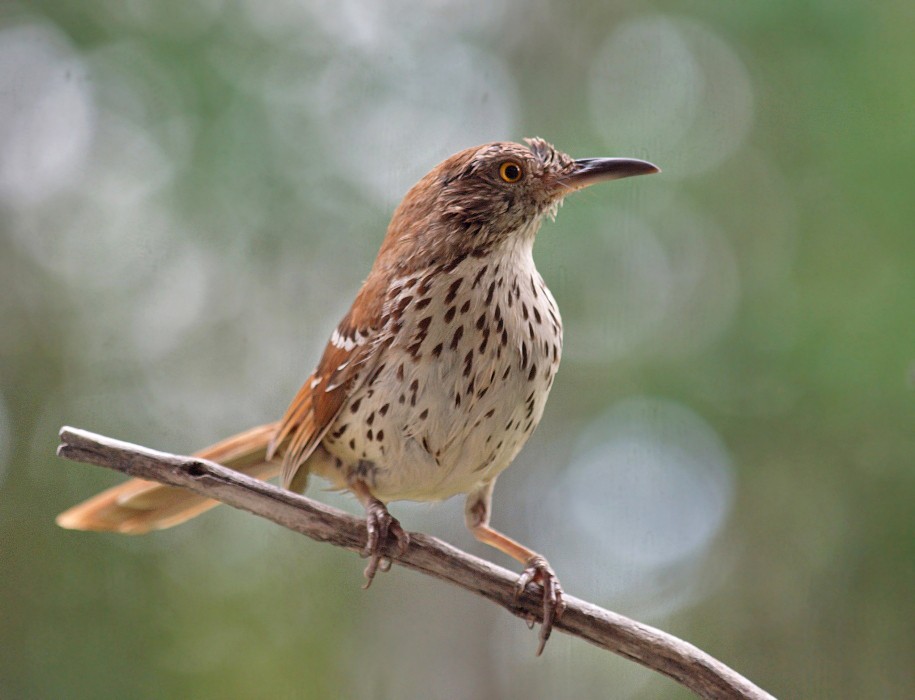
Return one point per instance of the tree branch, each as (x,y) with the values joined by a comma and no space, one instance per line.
(657,650)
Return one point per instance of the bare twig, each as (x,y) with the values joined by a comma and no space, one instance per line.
(657,650)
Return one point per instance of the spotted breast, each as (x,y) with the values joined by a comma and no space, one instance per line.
(470,361)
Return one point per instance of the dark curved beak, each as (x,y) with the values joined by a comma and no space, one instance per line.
(589,171)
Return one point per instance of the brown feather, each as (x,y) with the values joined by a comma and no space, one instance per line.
(297,413)
(322,397)
(138,506)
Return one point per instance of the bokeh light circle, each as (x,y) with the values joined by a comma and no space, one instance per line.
(671,88)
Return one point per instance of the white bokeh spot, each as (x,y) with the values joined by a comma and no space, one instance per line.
(46,114)
(674,89)
(648,489)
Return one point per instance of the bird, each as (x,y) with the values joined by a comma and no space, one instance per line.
(437,375)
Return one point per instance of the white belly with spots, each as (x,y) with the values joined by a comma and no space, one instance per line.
(463,386)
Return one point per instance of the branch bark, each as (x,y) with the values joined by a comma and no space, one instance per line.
(653,648)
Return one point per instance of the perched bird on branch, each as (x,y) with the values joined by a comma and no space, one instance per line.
(437,375)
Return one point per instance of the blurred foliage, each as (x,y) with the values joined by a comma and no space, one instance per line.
(190,194)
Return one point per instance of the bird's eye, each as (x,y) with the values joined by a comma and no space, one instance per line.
(510,171)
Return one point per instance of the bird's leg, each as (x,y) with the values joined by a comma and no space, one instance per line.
(380,524)
(537,569)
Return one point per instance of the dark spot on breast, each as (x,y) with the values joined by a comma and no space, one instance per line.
(402,305)
(456,338)
(476,280)
(424,414)
(352,444)
(490,292)
(449,314)
(437,350)
(465,307)
(380,435)
(354,406)
(532,373)
(384,409)
(453,290)
(375,374)
(423,303)
(468,362)
(370,419)
(400,371)
(454,262)
(369,435)
(537,316)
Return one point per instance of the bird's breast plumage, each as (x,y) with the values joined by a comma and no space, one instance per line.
(469,355)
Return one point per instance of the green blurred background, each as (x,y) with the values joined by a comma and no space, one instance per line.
(191,193)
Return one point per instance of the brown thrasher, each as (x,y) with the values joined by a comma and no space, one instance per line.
(437,375)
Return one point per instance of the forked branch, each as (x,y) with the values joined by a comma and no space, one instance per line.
(657,650)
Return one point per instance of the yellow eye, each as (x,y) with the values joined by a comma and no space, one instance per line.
(510,171)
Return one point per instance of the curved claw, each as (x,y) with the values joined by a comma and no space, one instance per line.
(380,524)
(539,571)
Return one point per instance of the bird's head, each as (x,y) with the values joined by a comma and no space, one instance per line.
(493,194)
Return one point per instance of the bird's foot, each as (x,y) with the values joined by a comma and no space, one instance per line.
(380,525)
(539,571)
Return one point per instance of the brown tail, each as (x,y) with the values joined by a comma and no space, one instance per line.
(139,506)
